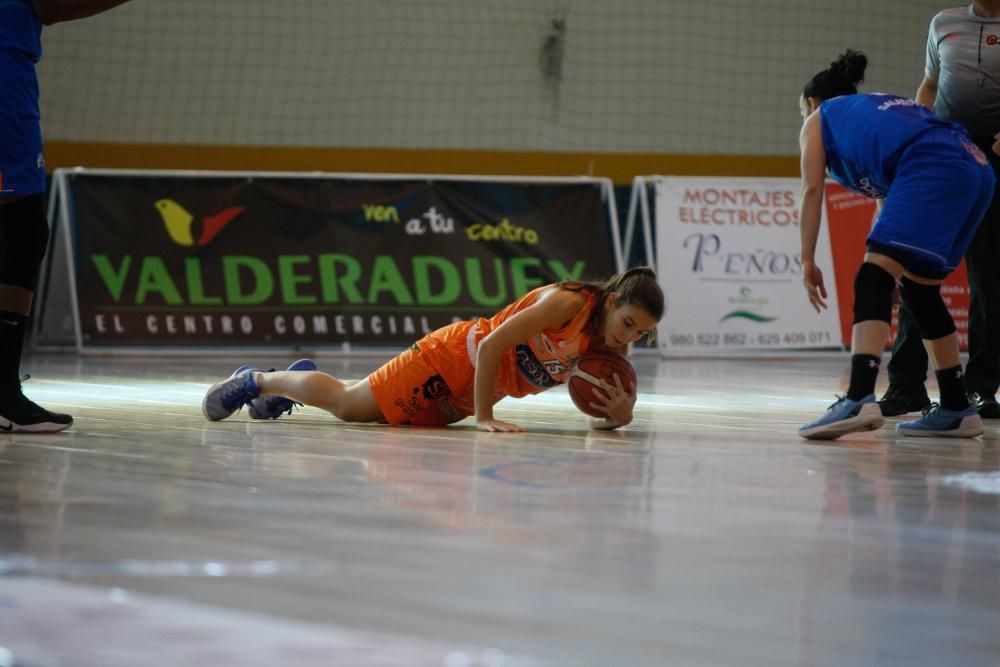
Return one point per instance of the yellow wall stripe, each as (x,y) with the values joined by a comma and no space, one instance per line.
(620,167)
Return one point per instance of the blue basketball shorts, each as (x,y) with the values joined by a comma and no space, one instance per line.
(941,190)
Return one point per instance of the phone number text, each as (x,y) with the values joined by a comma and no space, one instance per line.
(765,339)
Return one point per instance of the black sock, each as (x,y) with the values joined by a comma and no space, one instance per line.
(864,372)
(12,332)
(951,382)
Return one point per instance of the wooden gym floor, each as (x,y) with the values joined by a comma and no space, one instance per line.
(706,533)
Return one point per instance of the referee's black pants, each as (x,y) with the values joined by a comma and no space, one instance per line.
(908,365)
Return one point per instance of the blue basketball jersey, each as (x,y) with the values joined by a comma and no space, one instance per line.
(936,183)
(865,134)
(20,28)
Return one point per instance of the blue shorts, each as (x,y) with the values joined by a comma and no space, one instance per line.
(22,165)
(941,190)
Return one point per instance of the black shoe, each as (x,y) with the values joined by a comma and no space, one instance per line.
(19,415)
(899,400)
(986,405)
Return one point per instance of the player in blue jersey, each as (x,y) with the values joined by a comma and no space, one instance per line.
(933,185)
(24,231)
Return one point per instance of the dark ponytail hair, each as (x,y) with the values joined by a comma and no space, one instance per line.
(842,78)
(636,287)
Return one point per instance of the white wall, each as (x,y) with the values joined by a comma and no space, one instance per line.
(660,76)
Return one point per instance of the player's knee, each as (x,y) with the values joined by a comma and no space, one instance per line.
(873,288)
(24,238)
(927,308)
(349,410)
(355,403)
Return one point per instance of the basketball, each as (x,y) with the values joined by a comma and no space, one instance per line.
(590,371)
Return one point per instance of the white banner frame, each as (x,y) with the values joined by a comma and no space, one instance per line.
(60,224)
(693,326)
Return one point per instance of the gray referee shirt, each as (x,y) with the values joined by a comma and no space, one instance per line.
(963,52)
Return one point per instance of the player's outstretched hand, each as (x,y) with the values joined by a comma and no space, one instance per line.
(812,278)
(615,401)
(996,144)
(499,426)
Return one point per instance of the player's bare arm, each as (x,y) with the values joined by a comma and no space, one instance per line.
(551,311)
(58,11)
(813,167)
(927,92)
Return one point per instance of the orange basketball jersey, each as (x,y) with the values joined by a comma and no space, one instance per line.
(529,367)
(434,381)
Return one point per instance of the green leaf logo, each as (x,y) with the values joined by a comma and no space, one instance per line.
(746,314)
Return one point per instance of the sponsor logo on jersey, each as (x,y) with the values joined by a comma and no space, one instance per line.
(897,102)
(531,368)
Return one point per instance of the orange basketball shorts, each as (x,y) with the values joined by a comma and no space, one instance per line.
(410,389)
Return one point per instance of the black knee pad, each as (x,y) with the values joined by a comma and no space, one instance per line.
(24,237)
(873,287)
(927,308)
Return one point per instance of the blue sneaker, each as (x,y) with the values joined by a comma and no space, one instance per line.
(224,398)
(937,421)
(272,407)
(845,416)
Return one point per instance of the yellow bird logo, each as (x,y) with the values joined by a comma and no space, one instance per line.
(180,223)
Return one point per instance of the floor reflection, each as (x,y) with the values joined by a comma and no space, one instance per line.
(918,557)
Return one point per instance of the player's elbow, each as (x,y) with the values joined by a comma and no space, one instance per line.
(811,188)
(50,13)
(811,195)
(47,17)
(489,348)
(60,11)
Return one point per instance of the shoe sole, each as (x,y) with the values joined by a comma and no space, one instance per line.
(866,420)
(208,394)
(970,427)
(896,413)
(42,427)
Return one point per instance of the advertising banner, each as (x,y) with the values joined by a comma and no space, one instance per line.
(728,257)
(850,218)
(265,260)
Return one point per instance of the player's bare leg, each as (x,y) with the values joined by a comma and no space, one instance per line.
(348,401)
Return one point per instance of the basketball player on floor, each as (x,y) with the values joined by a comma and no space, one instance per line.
(463,369)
